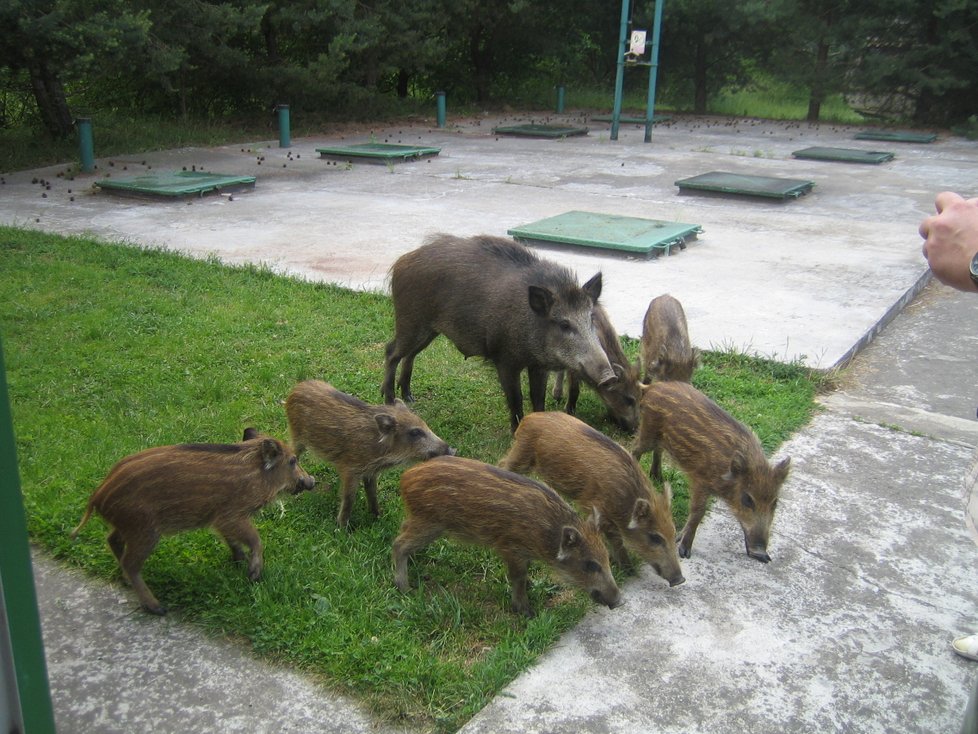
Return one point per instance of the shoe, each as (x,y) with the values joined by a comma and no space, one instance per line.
(967,647)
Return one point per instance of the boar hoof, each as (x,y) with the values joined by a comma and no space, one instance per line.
(684,552)
(159,610)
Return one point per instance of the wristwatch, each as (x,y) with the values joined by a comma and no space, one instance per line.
(974,269)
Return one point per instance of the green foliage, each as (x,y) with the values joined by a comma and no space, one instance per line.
(112,349)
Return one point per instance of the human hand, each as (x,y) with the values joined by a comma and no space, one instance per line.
(951,240)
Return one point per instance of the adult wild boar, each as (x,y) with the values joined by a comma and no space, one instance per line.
(589,468)
(169,489)
(666,351)
(522,520)
(719,455)
(359,439)
(621,395)
(494,298)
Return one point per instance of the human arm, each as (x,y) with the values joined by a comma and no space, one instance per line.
(951,240)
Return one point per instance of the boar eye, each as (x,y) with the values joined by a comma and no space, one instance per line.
(629,401)
(592,567)
(566,326)
(656,539)
(747,501)
(293,461)
(416,433)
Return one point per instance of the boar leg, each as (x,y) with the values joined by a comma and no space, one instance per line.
(519,458)
(538,387)
(349,481)
(509,378)
(573,392)
(558,391)
(238,532)
(618,552)
(370,487)
(415,534)
(137,550)
(697,508)
(117,544)
(516,569)
(394,353)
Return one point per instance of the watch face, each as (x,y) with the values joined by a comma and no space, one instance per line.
(974,266)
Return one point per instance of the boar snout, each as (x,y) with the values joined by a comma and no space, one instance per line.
(304,484)
(610,601)
(676,579)
(758,553)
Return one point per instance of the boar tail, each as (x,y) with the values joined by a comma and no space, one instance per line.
(88,514)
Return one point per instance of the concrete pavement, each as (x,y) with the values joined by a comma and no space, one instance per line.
(848,628)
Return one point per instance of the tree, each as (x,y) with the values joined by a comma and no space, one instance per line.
(67,42)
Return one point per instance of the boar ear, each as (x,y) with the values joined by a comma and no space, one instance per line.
(696,357)
(780,470)
(250,433)
(641,510)
(738,466)
(593,287)
(620,372)
(569,537)
(271,453)
(541,300)
(385,422)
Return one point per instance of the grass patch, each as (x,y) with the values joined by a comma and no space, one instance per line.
(111,349)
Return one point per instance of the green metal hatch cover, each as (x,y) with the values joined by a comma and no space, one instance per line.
(896,136)
(541,131)
(736,183)
(609,232)
(845,155)
(377,152)
(176,184)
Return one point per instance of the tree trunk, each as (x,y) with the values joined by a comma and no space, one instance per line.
(51,101)
(817,94)
(403,78)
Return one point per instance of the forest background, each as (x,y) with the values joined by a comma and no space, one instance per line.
(890,60)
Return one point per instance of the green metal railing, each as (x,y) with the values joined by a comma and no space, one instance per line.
(17,585)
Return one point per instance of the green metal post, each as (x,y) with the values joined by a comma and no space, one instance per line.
(284,131)
(653,69)
(560,99)
(17,582)
(86,148)
(440,100)
(620,73)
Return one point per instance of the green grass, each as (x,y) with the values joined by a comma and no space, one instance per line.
(111,349)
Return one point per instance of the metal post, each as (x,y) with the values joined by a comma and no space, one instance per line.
(86,148)
(33,696)
(284,134)
(653,69)
(620,73)
(440,99)
(560,99)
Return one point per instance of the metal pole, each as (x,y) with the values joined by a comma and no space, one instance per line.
(653,69)
(284,133)
(620,73)
(86,148)
(440,99)
(560,99)
(17,581)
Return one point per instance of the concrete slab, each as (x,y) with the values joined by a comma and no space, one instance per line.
(116,671)
(803,283)
(849,627)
